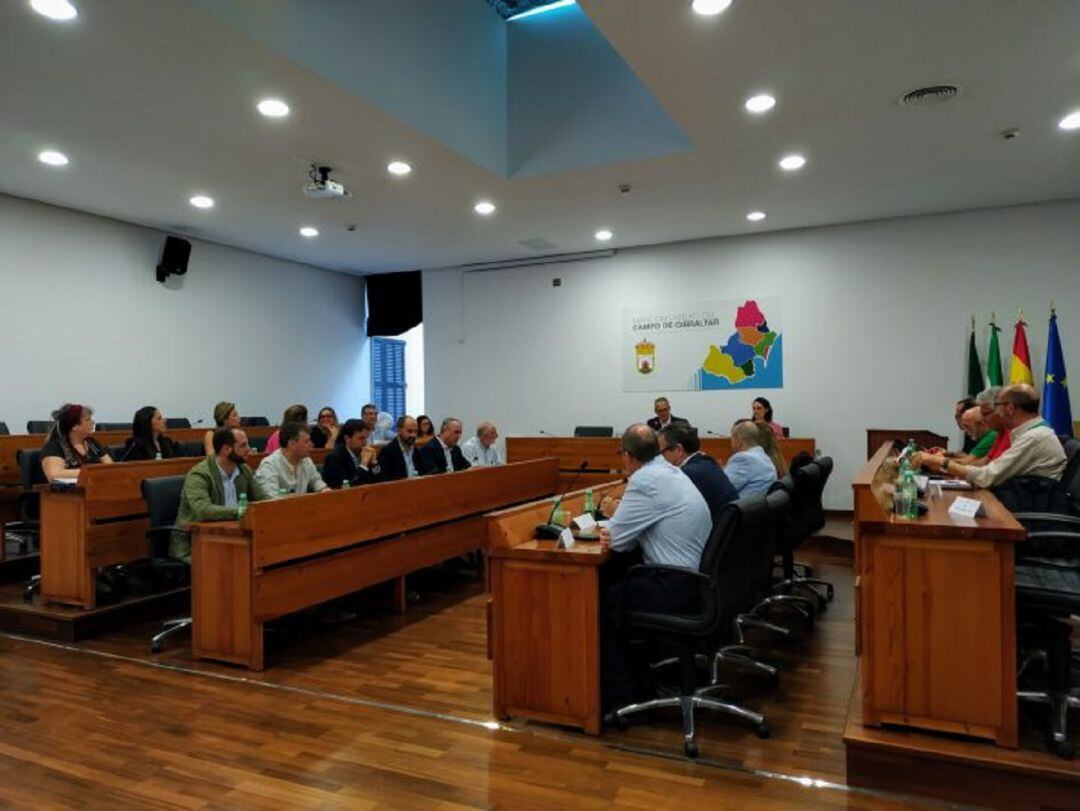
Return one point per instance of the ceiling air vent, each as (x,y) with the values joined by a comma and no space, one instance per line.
(929,96)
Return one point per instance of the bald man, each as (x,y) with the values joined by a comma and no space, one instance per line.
(1035,449)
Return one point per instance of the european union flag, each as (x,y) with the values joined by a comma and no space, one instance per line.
(1055,399)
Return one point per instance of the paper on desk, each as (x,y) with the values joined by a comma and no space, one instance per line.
(966,508)
(604,524)
(72,480)
(954,484)
(584,522)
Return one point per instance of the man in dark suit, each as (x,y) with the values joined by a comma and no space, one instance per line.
(663,418)
(442,454)
(352,460)
(680,445)
(398,458)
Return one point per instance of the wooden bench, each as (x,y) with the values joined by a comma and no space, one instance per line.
(294,553)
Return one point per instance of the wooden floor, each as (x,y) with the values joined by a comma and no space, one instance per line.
(395,712)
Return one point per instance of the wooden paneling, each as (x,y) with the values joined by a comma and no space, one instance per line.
(223,626)
(65,572)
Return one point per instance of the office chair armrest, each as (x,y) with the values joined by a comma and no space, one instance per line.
(1058,548)
(1048,518)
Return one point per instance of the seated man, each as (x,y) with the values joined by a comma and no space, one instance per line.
(212,488)
(993,420)
(289,469)
(370,415)
(663,418)
(352,460)
(749,469)
(1035,449)
(663,515)
(961,406)
(397,459)
(974,428)
(480,450)
(442,454)
(682,448)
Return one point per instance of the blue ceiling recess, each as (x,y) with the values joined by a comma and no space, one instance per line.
(545,94)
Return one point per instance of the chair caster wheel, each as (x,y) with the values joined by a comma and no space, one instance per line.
(1063,750)
(690,749)
(156,647)
(763,731)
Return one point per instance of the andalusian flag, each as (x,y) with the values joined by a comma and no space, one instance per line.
(974,377)
(1020,368)
(1055,402)
(993,357)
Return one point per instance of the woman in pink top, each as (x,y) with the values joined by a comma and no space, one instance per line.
(294,413)
(762,409)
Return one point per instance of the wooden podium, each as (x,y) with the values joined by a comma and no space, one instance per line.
(935,611)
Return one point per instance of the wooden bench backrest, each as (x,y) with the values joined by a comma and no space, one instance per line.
(300,526)
(602,453)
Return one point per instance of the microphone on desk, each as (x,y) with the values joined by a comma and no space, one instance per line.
(549,531)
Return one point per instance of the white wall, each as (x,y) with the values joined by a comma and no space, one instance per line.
(85,320)
(875,317)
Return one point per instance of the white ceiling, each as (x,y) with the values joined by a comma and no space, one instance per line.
(153,101)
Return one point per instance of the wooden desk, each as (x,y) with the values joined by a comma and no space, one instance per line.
(294,553)
(545,619)
(935,612)
(601,454)
(100,522)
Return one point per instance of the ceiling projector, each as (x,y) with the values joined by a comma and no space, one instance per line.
(322,187)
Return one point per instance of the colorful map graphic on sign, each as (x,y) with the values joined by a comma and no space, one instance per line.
(751,357)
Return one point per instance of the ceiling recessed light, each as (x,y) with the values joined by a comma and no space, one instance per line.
(760,103)
(604,235)
(756,216)
(273,108)
(309,231)
(53,158)
(789,163)
(484,207)
(55,9)
(1071,121)
(399,168)
(202,201)
(710,8)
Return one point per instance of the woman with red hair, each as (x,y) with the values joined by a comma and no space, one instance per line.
(69,445)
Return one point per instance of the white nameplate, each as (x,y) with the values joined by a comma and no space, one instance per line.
(966,508)
(566,540)
(585,522)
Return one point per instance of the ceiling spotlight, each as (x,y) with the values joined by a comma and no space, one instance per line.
(399,168)
(789,163)
(756,216)
(273,108)
(309,232)
(53,158)
(54,9)
(760,103)
(603,235)
(484,207)
(202,201)
(710,8)
(1071,121)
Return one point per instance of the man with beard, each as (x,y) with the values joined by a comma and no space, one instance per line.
(213,487)
(398,459)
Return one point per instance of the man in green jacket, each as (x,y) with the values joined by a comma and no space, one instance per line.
(212,489)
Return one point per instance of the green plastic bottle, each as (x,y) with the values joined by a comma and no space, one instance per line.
(590,505)
(345,484)
(241,505)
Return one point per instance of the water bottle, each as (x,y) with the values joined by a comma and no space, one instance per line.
(241,506)
(590,506)
(911,495)
(345,484)
(157,456)
(900,491)
(282,492)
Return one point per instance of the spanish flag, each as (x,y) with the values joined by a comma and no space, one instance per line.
(1020,368)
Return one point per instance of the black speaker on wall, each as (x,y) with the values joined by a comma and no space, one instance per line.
(174,258)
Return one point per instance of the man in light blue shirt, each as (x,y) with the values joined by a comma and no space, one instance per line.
(664,515)
(750,469)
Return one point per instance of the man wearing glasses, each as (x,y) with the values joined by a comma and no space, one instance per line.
(1034,448)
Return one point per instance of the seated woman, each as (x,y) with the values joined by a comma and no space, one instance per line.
(225,416)
(148,440)
(772,449)
(69,445)
(425,430)
(325,432)
(762,410)
(294,413)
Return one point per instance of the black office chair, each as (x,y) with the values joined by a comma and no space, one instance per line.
(258,443)
(4,429)
(193,448)
(177,422)
(719,586)
(254,422)
(162,497)
(30,474)
(38,426)
(606,431)
(114,426)
(786,431)
(808,517)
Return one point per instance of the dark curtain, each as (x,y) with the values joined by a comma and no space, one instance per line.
(395,303)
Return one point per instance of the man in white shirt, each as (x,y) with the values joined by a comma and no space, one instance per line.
(289,469)
(1034,450)
(480,450)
